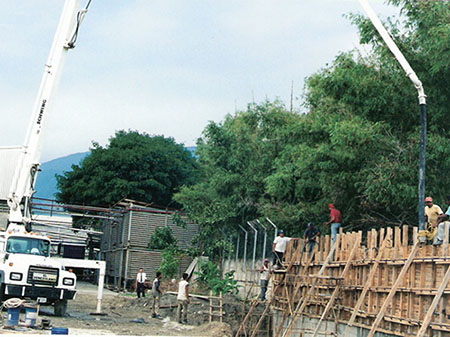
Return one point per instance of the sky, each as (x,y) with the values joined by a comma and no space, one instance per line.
(164,67)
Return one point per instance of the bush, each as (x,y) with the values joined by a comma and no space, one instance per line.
(209,276)
(162,238)
(170,262)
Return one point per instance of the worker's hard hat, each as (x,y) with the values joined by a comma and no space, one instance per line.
(266,260)
(430,199)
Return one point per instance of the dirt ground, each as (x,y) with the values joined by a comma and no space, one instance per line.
(128,315)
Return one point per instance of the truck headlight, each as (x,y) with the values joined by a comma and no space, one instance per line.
(68,281)
(16,276)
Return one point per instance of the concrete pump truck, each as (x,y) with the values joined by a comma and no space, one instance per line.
(26,268)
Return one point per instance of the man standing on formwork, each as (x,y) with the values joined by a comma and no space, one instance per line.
(432,214)
(335,221)
(265,275)
(279,247)
(444,217)
(310,236)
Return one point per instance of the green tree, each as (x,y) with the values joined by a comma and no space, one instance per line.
(133,165)
(356,146)
(162,238)
(170,261)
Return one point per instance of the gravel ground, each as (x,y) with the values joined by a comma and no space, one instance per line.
(128,315)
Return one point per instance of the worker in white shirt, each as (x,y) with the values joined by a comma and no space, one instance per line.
(183,299)
(279,247)
(140,283)
(264,279)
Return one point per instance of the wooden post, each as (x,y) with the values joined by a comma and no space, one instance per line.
(445,239)
(210,307)
(393,290)
(220,307)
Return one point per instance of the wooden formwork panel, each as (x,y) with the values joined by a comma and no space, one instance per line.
(374,272)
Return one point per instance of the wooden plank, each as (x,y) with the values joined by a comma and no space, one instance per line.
(302,304)
(373,244)
(445,239)
(398,242)
(337,244)
(367,285)
(429,315)
(337,289)
(415,231)
(405,240)
(381,237)
(327,245)
(393,290)
(210,307)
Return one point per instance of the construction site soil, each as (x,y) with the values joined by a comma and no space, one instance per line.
(124,314)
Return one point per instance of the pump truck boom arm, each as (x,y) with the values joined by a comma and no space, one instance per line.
(21,189)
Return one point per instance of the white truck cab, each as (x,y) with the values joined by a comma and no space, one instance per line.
(28,271)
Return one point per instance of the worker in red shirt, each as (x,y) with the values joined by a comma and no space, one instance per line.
(335,221)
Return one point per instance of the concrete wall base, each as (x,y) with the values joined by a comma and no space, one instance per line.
(328,328)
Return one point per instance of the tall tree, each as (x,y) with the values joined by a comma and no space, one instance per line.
(133,165)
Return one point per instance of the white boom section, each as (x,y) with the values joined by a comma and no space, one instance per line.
(25,174)
(394,49)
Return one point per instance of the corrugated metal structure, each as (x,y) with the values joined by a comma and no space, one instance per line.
(124,244)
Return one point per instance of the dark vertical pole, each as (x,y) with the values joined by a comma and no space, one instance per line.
(422,158)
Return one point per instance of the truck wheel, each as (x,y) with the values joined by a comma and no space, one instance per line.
(60,308)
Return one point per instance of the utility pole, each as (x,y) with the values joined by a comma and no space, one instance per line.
(422,104)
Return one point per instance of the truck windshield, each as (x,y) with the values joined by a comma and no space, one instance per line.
(28,246)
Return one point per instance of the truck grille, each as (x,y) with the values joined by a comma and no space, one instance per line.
(42,275)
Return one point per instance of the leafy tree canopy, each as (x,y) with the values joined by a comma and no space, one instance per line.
(133,165)
(357,146)
(162,238)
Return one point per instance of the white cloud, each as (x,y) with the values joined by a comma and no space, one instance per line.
(163,66)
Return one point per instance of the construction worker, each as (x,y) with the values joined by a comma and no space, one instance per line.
(432,214)
(335,221)
(310,236)
(183,299)
(446,216)
(140,283)
(264,279)
(156,294)
(279,247)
